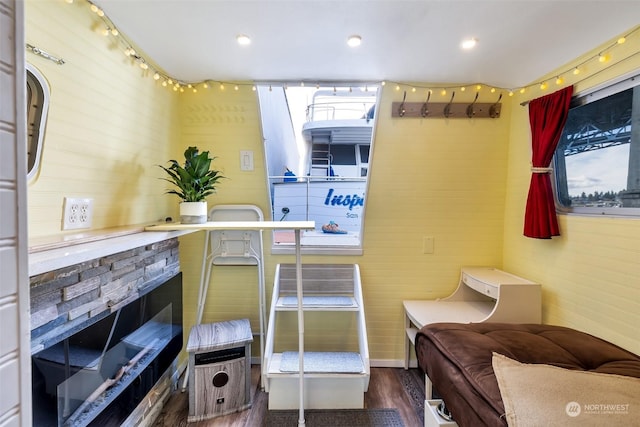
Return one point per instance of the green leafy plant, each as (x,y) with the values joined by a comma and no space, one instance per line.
(195,180)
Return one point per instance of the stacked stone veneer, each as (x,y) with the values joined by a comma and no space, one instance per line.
(69,299)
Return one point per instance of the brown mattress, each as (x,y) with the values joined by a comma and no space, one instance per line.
(457,358)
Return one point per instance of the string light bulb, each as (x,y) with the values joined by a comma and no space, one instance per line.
(604,57)
(621,40)
(576,71)
(559,80)
(544,86)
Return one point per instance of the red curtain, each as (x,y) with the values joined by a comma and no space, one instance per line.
(547,116)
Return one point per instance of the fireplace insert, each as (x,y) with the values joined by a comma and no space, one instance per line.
(100,374)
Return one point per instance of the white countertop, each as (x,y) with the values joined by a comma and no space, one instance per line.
(64,255)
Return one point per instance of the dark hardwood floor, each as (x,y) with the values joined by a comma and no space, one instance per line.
(386,390)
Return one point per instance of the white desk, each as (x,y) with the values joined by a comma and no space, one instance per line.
(484,294)
(262,225)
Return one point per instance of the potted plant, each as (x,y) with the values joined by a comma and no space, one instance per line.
(194,181)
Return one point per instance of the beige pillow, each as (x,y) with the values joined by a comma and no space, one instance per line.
(543,395)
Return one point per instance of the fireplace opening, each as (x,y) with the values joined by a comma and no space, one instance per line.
(100,374)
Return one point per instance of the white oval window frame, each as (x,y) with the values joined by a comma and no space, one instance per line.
(38,95)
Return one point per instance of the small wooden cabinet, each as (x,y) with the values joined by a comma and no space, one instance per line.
(219,369)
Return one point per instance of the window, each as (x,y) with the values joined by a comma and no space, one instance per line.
(597,161)
(317,145)
(37,108)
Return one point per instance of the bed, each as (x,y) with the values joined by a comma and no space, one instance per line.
(540,371)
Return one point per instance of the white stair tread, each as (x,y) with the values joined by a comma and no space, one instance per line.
(339,302)
(336,363)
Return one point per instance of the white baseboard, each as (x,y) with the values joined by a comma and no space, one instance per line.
(374,363)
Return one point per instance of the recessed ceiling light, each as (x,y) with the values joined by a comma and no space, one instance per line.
(243,39)
(469,43)
(354,41)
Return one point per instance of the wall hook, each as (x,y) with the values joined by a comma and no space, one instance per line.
(424,112)
(447,108)
(401,109)
(470,110)
(493,110)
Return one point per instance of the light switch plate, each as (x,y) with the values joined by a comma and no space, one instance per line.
(427,245)
(246,160)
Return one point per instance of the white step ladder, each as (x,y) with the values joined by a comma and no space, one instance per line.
(333,379)
(233,247)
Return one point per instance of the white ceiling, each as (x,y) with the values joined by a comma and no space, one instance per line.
(402,41)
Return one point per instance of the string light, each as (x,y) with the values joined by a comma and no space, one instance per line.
(603,57)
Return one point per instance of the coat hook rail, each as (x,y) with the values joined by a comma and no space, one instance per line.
(446,110)
(46,55)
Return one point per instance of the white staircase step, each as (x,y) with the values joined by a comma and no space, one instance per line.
(318,302)
(317,363)
(322,390)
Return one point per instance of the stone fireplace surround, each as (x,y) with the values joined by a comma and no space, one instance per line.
(74,286)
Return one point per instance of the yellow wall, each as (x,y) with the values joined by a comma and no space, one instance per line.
(462,182)
(108,127)
(591,273)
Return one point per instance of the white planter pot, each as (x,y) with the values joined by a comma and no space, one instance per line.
(193,212)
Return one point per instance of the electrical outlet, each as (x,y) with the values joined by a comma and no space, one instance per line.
(78,213)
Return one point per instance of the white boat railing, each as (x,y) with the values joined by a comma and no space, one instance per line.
(339,111)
